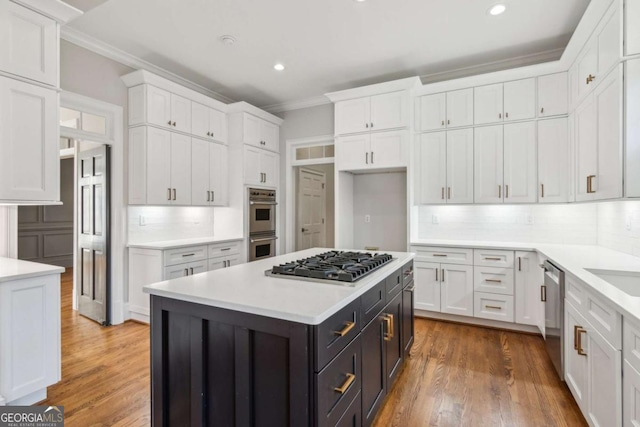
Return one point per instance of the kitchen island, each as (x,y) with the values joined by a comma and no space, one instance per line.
(236,347)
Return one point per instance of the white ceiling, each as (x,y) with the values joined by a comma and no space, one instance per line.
(326,45)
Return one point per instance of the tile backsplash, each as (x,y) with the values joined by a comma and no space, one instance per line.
(619,226)
(156,223)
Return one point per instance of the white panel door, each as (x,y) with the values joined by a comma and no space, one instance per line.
(520,100)
(219,174)
(460,108)
(353,152)
(520,182)
(528,279)
(159,107)
(251,130)
(270,135)
(180,169)
(432,168)
(388,149)
(389,111)
(433,112)
(553,95)
(252,167)
(158,167)
(218,125)
(609,41)
(488,164)
(180,113)
(29,44)
(587,68)
(200,120)
(608,96)
(586,145)
(217,263)
(176,271)
(575,365)
(456,289)
(352,116)
(29,142)
(200,172)
(488,104)
(553,160)
(269,167)
(198,267)
(460,166)
(630,396)
(427,282)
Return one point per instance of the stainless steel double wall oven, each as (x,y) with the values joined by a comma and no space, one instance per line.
(262,223)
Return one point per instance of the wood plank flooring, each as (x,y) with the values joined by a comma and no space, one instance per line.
(457,375)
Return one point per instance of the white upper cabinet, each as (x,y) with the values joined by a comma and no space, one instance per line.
(270,135)
(208,123)
(553,96)
(28,44)
(488,104)
(260,167)
(631,28)
(553,160)
(632,140)
(352,152)
(372,151)
(587,69)
(459,166)
(180,169)
(488,164)
(586,128)
(260,133)
(158,106)
(162,107)
(372,113)
(180,113)
(431,168)
(29,142)
(520,100)
(209,171)
(219,174)
(520,164)
(433,112)
(460,108)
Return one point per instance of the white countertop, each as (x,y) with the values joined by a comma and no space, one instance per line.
(245,288)
(572,259)
(181,243)
(14,269)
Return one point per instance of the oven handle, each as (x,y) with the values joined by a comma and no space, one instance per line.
(262,240)
(263,203)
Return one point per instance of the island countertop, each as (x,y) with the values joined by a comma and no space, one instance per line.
(247,289)
(14,269)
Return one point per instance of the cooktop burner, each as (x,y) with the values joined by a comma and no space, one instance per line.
(333,265)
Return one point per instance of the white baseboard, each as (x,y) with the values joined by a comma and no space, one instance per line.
(139,317)
(2,401)
(30,399)
(477,322)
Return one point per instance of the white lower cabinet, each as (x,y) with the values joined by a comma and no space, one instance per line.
(446,288)
(493,306)
(427,279)
(528,279)
(575,364)
(631,396)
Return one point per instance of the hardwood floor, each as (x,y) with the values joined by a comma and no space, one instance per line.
(457,375)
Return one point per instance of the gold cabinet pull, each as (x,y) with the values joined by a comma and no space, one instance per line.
(543,293)
(499,115)
(493,280)
(443,123)
(388,335)
(575,336)
(492,258)
(440,255)
(579,331)
(542,110)
(499,191)
(590,184)
(347,383)
(443,275)
(519,263)
(437,274)
(347,327)
(542,190)
(442,193)
(495,307)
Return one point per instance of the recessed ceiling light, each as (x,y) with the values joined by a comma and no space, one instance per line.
(228,39)
(278,67)
(497,9)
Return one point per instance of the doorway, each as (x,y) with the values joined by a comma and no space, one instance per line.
(314,206)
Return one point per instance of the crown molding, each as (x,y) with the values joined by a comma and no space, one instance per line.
(54,9)
(375,89)
(101,48)
(299,104)
(245,107)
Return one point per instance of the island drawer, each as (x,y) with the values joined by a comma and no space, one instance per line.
(493,280)
(338,384)
(333,335)
(372,303)
(223,249)
(444,255)
(182,255)
(493,258)
(407,274)
(393,284)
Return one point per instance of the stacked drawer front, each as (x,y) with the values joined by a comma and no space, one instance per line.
(493,283)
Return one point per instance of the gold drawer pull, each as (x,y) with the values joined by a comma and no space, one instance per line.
(495,307)
(492,259)
(493,280)
(344,387)
(440,255)
(580,330)
(388,318)
(347,327)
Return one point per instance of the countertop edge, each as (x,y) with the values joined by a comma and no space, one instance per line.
(159,245)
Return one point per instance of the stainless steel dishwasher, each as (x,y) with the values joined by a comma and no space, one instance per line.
(552,294)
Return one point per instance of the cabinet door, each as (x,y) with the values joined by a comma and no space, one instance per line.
(29,142)
(427,283)
(609,42)
(198,267)
(407,318)
(158,107)
(394,347)
(180,113)
(251,130)
(352,152)
(587,67)
(233,260)
(457,289)
(217,263)
(630,396)
(388,149)
(176,271)
(632,125)
(158,167)
(632,31)
(180,169)
(488,164)
(520,100)
(520,183)
(219,174)
(29,45)
(575,365)
(432,112)
(352,116)
(586,125)
(528,279)
(460,166)
(218,125)
(374,370)
(200,120)
(270,135)
(553,95)
(487,104)
(389,111)
(252,171)
(460,108)
(608,96)
(200,173)
(553,160)
(431,167)
(269,166)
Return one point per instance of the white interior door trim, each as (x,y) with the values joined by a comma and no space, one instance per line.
(290,162)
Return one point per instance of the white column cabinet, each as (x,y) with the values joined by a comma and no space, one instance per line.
(488,104)
(553,95)
(520,163)
(528,279)
(553,160)
(520,100)
(488,164)
(431,170)
(456,289)
(459,166)
(460,108)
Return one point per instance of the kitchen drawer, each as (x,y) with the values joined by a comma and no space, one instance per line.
(182,255)
(352,417)
(332,335)
(186,269)
(393,285)
(372,303)
(631,342)
(407,274)
(493,258)
(444,255)
(223,249)
(493,280)
(493,306)
(338,384)
(575,293)
(605,319)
